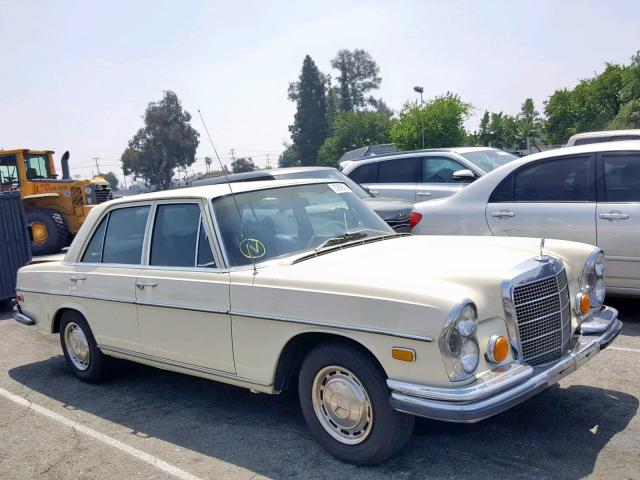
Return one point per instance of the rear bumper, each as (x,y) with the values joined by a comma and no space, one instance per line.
(18,316)
(507,386)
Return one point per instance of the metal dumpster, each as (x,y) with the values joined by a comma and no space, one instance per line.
(14,242)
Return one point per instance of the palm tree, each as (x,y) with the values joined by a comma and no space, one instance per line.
(208,161)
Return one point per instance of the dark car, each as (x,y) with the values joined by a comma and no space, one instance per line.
(397,213)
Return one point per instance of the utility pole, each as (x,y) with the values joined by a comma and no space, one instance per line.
(268,161)
(97,166)
(233,154)
(124,177)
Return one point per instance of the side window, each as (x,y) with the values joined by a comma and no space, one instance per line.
(367,173)
(402,170)
(8,173)
(93,253)
(622,177)
(591,140)
(504,191)
(558,180)
(439,169)
(175,235)
(205,255)
(125,235)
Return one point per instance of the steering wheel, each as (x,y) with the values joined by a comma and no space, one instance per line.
(317,235)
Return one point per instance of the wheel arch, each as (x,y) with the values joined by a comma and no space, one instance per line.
(60,311)
(298,347)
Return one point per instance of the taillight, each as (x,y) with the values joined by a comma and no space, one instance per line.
(414,219)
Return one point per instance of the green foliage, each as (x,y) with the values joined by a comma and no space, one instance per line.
(440,121)
(310,127)
(628,116)
(359,74)
(605,101)
(288,158)
(111,178)
(166,142)
(353,130)
(242,164)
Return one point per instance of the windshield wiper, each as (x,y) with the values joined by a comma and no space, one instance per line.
(339,239)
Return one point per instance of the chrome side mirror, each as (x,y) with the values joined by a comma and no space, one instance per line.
(464,175)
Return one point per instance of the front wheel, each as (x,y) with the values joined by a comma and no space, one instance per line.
(345,402)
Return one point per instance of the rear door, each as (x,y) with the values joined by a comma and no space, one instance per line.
(618,216)
(437,178)
(551,198)
(103,282)
(393,177)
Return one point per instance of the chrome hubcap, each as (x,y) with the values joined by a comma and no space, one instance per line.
(77,346)
(342,405)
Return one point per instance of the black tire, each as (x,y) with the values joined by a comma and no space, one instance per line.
(57,231)
(389,429)
(99,365)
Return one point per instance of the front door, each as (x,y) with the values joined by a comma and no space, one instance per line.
(437,178)
(618,217)
(551,199)
(182,296)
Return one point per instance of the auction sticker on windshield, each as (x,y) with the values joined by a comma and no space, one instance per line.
(339,188)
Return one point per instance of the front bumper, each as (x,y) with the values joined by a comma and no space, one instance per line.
(507,386)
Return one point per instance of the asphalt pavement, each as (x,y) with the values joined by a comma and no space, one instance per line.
(148,423)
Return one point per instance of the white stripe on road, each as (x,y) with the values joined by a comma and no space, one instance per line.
(139,454)
(622,349)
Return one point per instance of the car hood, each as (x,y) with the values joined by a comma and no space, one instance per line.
(427,270)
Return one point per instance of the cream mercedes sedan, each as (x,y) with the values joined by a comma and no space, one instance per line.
(298,283)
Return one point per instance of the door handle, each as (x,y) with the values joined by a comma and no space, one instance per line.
(423,194)
(614,216)
(76,278)
(503,213)
(140,284)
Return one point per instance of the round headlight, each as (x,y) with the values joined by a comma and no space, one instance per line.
(599,291)
(468,321)
(469,355)
(88,190)
(599,265)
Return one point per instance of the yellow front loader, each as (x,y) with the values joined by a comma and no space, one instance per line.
(55,207)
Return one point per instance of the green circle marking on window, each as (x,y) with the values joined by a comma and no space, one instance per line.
(252,248)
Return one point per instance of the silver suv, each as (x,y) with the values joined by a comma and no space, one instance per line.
(424,174)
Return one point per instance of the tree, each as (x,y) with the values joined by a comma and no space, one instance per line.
(242,164)
(628,116)
(333,100)
(485,130)
(208,161)
(352,130)
(529,121)
(167,141)
(560,124)
(310,128)
(111,178)
(440,121)
(289,157)
(358,76)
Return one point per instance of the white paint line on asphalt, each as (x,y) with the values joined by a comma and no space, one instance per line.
(622,349)
(139,454)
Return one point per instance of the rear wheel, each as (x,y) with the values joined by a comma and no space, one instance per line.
(81,352)
(345,401)
(49,231)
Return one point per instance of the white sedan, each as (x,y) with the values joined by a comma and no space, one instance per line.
(299,283)
(588,194)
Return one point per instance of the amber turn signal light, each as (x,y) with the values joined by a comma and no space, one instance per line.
(585,303)
(498,349)
(403,354)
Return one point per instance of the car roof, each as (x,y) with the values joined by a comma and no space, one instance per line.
(588,148)
(403,153)
(218,190)
(268,174)
(605,133)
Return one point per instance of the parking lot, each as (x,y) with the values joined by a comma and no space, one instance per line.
(147,423)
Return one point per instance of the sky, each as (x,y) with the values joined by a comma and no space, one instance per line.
(78,75)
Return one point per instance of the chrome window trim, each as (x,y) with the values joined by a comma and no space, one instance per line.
(96,224)
(176,363)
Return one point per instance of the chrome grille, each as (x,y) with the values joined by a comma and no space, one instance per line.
(543,318)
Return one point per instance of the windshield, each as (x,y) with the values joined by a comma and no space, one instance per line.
(331,175)
(37,166)
(488,160)
(282,221)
